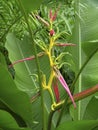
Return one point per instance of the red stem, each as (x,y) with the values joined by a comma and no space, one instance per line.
(85,93)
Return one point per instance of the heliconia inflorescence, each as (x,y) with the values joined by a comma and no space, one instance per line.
(55,73)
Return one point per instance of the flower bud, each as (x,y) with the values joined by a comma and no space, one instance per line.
(52,32)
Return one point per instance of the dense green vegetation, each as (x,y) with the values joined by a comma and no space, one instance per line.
(48,52)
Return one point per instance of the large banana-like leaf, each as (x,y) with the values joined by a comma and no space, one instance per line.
(14,99)
(85,35)
(91,111)
(6,120)
(79,125)
(24,73)
(19,50)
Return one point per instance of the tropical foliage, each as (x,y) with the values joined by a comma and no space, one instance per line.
(48,65)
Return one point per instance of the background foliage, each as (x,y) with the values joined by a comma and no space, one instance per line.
(78,22)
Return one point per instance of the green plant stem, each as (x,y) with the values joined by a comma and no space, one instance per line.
(80,60)
(50,120)
(62,109)
(72,87)
(77,97)
(37,64)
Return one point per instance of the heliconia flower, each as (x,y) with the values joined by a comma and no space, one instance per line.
(52,32)
(51,16)
(64,84)
(56,90)
(65,44)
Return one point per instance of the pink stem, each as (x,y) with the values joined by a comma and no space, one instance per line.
(64,84)
(26,59)
(65,44)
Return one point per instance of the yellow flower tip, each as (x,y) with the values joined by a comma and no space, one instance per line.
(53,106)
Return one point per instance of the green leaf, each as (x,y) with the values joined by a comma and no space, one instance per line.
(6,61)
(19,50)
(91,111)
(2,60)
(79,125)
(15,99)
(16,128)
(30,5)
(6,120)
(17,117)
(85,35)
(89,47)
